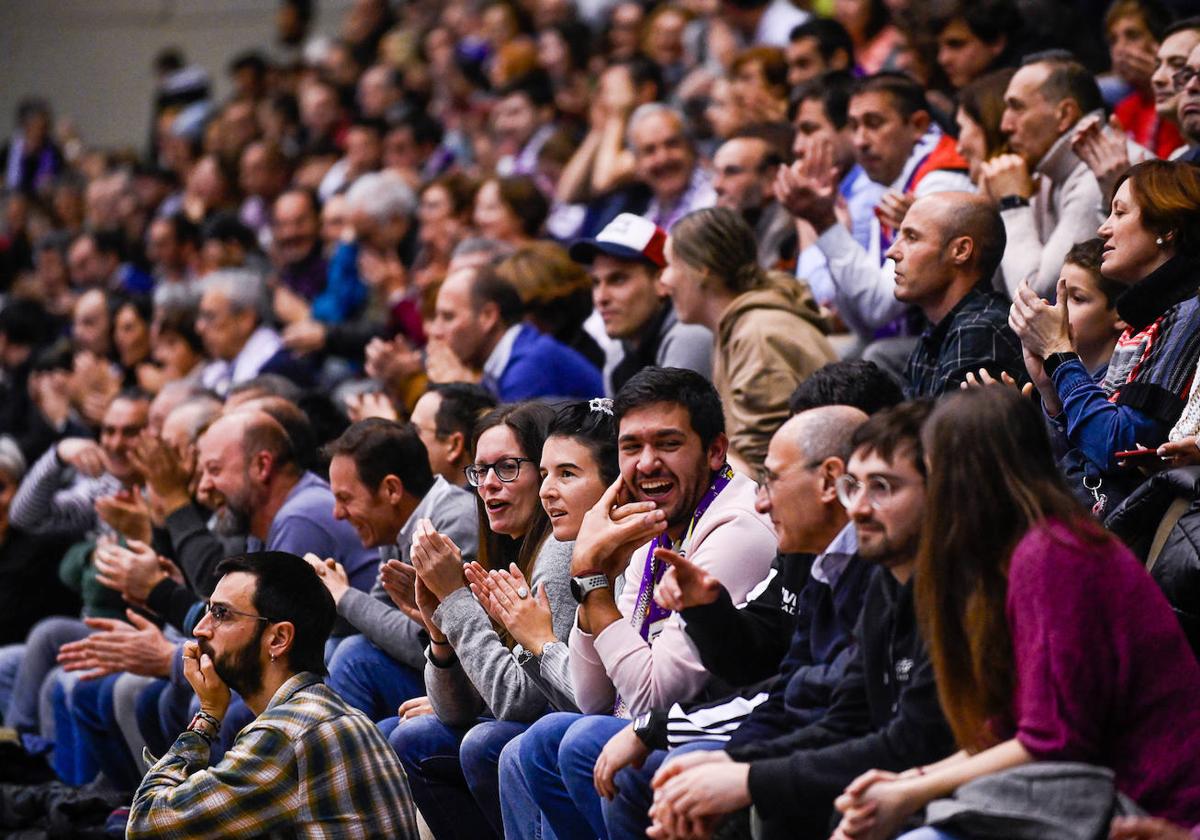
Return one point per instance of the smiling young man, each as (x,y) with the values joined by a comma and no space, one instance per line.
(380,476)
(629,654)
(625,261)
(308,765)
(883,713)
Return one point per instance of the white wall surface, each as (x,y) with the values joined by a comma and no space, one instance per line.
(92,58)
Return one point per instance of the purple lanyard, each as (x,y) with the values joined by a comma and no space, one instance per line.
(646,611)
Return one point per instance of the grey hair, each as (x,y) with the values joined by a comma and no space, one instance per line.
(244,289)
(198,413)
(12,462)
(651,109)
(383,196)
(474,245)
(826,431)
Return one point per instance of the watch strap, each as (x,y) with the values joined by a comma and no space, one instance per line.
(1010,202)
(1052,362)
(584,583)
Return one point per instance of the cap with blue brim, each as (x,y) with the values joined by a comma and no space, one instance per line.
(627,237)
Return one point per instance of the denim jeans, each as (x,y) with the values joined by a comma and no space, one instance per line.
(97,737)
(40,658)
(557,756)
(370,680)
(927,833)
(523,819)
(453,772)
(628,813)
(10,664)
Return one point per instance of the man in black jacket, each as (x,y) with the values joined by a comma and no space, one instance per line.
(884,712)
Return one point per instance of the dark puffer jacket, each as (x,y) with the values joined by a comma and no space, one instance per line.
(1177,567)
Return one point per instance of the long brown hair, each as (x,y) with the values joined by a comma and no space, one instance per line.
(992,478)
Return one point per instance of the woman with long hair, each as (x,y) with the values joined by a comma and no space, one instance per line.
(1152,248)
(481,697)
(980,109)
(769,332)
(1049,641)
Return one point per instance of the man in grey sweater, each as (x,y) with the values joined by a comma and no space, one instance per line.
(382,485)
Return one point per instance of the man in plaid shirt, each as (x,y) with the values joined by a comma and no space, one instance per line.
(946,252)
(309,765)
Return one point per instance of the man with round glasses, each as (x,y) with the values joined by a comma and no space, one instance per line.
(289,771)
(884,713)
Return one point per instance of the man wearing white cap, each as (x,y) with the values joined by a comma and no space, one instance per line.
(625,260)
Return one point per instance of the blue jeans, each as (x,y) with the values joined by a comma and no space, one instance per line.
(453,772)
(927,833)
(523,819)
(628,814)
(97,734)
(40,658)
(557,756)
(370,680)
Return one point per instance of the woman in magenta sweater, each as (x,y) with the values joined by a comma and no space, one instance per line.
(1049,640)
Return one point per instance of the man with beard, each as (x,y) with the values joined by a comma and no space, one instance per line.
(884,713)
(248,469)
(296,244)
(628,654)
(289,771)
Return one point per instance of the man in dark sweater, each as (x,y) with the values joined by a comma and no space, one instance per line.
(884,713)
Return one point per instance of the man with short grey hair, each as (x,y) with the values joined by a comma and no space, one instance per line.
(238,343)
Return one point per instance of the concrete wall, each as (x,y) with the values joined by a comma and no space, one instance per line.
(92,58)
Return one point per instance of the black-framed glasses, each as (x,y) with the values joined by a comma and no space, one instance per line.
(878,489)
(222,614)
(507,469)
(1183,75)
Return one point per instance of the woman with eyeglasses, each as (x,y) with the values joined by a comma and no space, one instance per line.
(481,696)
(1049,641)
(1152,248)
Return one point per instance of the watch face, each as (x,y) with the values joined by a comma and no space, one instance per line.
(577,591)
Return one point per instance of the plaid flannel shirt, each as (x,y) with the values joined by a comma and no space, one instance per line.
(309,766)
(973,335)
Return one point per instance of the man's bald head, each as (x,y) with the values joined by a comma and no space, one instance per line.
(962,214)
(824,432)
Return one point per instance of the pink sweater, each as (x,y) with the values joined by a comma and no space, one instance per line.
(733,543)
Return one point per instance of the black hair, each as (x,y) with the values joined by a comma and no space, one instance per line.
(490,287)
(25,323)
(535,84)
(381,448)
(225,226)
(832,90)
(460,408)
(895,429)
(250,60)
(988,20)
(854,382)
(142,305)
(906,93)
(376,125)
(288,589)
(426,131)
(179,318)
(184,229)
(830,36)
(644,71)
(108,242)
(656,385)
(593,425)
(1192,22)
(32,106)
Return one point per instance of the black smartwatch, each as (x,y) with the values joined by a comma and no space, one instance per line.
(1009,202)
(1051,362)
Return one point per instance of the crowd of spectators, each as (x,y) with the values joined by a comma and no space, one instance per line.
(607,419)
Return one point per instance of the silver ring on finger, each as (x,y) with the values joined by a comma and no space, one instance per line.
(522,593)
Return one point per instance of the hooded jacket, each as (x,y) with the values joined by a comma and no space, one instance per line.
(769,340)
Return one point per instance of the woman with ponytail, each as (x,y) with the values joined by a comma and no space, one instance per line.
(1049,642)
(769,332)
